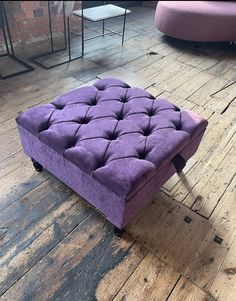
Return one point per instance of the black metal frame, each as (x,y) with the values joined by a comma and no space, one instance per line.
(110,32)
(12,53)
(67,36)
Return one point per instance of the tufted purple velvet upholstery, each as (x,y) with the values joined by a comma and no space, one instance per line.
(121,137)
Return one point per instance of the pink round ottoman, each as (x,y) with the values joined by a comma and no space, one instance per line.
(200,21)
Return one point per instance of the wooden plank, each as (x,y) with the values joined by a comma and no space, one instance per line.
(207,260)
(13,162)
(222,67)
(147,70)
(154,90)
(221,100)
(162,229)
(175,81)
(224,217)
(224,285)
(60,264)
(187,291)
(193,85)
(31,89)
(205,154)
(8,125)
(72,262)
(230,110)
(107,273)
(214,188)
(11,110)
(19,182)
(166,49)
(152,280)
(156,225)
(171,97)
(170,68)
(34,202)
(110,284)
(10,148)
(186,240)
(198,59)
(144,44)
(132,79)
(206,113)
(210,255)
(203,95)
(144,61)
(158,65)
(39,231)
(223,154)
(119,58)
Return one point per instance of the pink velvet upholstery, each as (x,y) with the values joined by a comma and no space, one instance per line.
(201,21)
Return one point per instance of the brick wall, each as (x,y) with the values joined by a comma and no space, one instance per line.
(28,20)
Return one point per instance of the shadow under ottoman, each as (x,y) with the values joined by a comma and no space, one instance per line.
(112,144)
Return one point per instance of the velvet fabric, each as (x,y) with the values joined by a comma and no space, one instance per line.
(111,143)
(200,21)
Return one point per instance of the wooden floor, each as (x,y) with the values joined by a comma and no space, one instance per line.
(182,246)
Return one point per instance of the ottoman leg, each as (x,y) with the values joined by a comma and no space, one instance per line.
(38,167)
(118,232)
(179,163)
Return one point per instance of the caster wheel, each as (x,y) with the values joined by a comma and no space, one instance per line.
(118,232)
(38,167)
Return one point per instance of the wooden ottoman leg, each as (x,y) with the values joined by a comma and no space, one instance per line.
(118,232)
(38,167)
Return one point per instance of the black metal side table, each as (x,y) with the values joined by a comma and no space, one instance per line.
(101,13)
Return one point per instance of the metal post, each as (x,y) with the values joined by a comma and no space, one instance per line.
(8,28)
(7,36)
(103,22)
(50,26)
(82,23)
(123,34)
(69,45)
(64,21)
(5,40)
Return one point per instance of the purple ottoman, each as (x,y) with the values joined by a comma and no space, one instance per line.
(112,144)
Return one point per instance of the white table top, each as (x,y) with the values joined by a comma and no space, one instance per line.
(102,12)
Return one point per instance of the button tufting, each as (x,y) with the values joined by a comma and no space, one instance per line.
(177,126)
(112,136)
(151,97)
(120,116)
(124,100)
(176,108)
(72,144)
(101,88)
(59,107)
(93,103)
(84,120)
(141,155)
(147,132)
(100,163)
(150,113)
